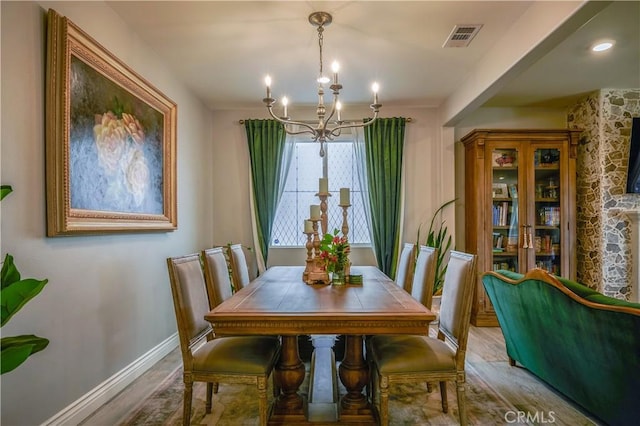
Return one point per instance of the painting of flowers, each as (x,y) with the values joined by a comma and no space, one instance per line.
(110,139)
(115,147)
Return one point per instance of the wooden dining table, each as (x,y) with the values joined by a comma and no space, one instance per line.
(280,303)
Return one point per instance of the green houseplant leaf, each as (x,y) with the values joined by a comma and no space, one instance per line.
(15,292)
(5,190)
(9,273)
(16,350)
(438,237)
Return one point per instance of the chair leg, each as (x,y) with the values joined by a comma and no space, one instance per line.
(384,401)
(276,387)
(209,397)
(374,386)
(462,403)
(443,396)
(369,386)
(215,387)
(186,406)
(429,387)
(262,400)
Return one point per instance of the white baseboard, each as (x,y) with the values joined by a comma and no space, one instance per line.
(100,395)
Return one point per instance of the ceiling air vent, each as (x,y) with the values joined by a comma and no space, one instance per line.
(461,35)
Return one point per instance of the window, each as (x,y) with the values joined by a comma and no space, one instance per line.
(302,186)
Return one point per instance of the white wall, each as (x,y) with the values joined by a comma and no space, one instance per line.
(108,299)
(428,161)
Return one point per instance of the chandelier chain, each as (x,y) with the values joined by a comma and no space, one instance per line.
(320,43)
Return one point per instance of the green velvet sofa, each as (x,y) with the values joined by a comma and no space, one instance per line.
(582,343)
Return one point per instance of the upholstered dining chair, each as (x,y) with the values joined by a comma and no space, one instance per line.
(404,271)
(424,275)
(216,275)
(239,267)
(246,359)
(410,359)
(422,282)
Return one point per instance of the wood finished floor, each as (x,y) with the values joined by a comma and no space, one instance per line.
(519,390)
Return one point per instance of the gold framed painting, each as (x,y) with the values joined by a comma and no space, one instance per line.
(110,141)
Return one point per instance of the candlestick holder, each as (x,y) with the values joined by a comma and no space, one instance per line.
(314,272)
(309,246)
(345,223)
(345,232)
(316,237)
(323,210)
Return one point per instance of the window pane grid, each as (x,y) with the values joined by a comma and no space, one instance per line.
(301,188)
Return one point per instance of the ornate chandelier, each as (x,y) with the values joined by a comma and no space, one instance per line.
(325,129)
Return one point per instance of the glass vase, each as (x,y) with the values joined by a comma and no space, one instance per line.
(338,277)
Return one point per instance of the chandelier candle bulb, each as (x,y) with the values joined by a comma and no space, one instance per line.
(345,196)
(314,210)
(335,67)
(267,81)
(308,227)
(285,102)
(323,185)
(375,89)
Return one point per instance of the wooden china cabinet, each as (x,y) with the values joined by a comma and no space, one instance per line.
(520,198)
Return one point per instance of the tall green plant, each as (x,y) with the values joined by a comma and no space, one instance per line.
(438,236)
(15,292)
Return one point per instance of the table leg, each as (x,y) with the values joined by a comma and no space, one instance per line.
(289,374)
(354,375)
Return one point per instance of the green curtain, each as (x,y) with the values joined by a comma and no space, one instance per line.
(384,145)
(266,140)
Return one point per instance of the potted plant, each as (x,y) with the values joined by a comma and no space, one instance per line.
(14,294)
(438,236)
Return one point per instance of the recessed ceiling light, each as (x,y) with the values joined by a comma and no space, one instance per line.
(602,46)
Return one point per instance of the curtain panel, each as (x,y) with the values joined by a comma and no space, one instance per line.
(384,146)
(267,141)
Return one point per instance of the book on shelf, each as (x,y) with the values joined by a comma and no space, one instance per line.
(501,213)
(549,216)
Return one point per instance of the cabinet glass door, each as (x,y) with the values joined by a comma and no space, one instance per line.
(547,230)
(505,227)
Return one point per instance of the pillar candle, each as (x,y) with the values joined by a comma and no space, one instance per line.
(308,227)
(314,211)
(345,197)
(324,185)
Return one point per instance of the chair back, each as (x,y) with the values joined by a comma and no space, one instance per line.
(424,276)
(457,296)
(404,271)
(239,267)
(190,301)
(216,273)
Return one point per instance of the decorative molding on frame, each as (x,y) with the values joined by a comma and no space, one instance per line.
(82,408)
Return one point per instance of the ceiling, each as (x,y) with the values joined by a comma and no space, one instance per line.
(223,50)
